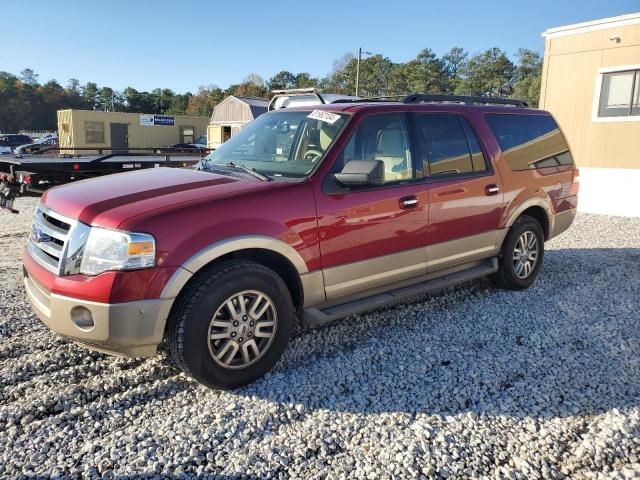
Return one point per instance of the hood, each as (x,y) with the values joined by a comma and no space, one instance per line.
(110,200)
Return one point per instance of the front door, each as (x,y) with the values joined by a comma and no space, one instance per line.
(119,137)
(465,197)
(371,236)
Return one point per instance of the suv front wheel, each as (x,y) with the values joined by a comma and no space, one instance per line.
(521,255)
(232,324)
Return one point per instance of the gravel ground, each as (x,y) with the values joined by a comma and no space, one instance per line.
(471,382)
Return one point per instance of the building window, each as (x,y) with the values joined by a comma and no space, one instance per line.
(187,134)
(620,94)
(94,132)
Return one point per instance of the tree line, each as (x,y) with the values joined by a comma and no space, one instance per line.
(26,104)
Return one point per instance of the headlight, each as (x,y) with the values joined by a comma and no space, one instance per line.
(115,250)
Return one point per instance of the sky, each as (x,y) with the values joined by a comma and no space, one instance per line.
(185,44)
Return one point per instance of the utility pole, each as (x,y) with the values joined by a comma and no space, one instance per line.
(360,52)
(358,69)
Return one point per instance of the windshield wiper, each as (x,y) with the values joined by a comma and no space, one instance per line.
(250,171)
(224,169)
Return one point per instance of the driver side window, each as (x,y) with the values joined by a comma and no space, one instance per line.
(385,138)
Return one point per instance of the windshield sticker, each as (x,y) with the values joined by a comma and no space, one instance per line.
(323,116)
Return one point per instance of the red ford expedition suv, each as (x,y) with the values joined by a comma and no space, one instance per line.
(309,214)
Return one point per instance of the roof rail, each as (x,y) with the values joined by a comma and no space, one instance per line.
(467,100)
(435,98)
(384,98)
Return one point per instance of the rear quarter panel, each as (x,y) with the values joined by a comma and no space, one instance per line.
(547,187)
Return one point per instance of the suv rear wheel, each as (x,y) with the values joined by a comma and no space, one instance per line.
(521,255)
(232,325)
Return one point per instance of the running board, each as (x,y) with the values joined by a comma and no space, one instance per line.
(313,317)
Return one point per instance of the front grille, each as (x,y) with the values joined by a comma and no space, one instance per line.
(49,237)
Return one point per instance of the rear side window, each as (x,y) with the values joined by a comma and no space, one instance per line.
(529,141)
(450,144)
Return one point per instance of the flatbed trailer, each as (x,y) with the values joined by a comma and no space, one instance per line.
(36,173)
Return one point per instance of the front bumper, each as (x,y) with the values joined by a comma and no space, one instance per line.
(132,329)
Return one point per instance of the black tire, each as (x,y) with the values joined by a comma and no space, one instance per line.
(506,276)
(189,326)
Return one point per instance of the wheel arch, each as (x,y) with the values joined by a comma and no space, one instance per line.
(267,251)
(536,208)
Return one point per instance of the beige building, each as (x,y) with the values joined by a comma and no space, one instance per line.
(591,84)
(121,131)
(232,114)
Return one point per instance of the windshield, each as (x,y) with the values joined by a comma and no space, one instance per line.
(281,144)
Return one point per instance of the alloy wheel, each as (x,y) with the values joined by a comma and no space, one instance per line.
(242,329)
(525,254)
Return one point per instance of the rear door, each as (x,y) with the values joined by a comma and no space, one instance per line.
(464,192)
(374,235)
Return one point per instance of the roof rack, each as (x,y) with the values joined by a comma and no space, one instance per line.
(432,98)
(467,100)
(384,98)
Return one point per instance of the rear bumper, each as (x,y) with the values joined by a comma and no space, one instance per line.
(132,329)
(561,221)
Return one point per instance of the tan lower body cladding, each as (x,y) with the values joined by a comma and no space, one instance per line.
(359,276)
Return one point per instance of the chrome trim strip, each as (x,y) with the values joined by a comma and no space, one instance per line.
(42,259)
(49,229)
(51,248)
(56,215)
(73,249)
(73,241)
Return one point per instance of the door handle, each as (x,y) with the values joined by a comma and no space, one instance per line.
(491,189)
(409,202)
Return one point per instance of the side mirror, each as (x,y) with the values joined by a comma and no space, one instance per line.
(361,172)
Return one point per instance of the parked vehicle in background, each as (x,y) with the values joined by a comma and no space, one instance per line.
(201,142)
(307,214)
(49,142)
(303,97)
(13,140)
(37,173)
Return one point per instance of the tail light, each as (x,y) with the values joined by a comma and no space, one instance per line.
(575,183)
(27,180)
